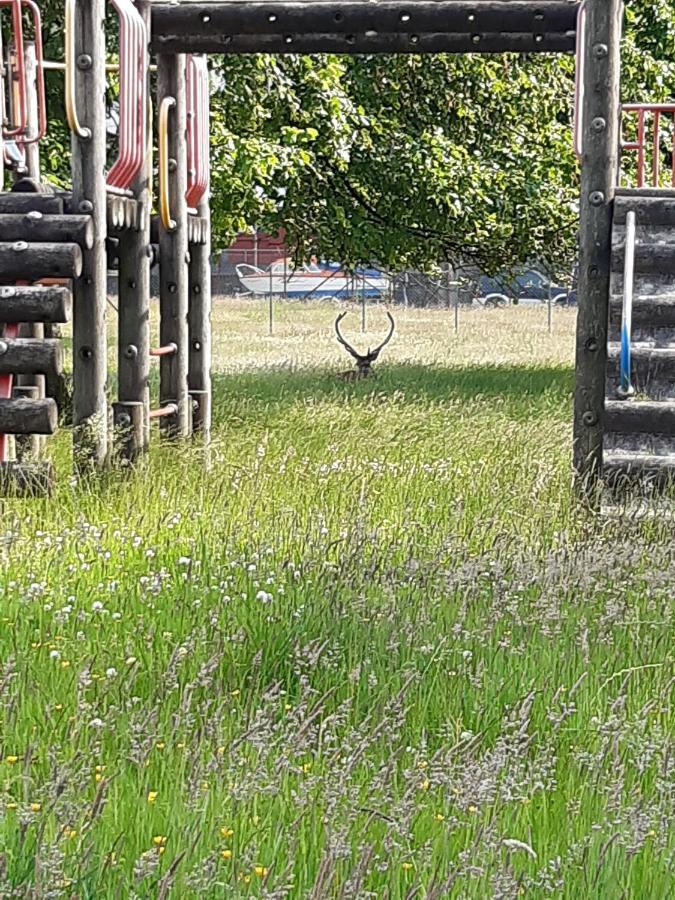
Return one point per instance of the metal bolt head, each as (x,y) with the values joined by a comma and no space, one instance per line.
(597,198)
(173,165)
(172,287)
(84,61)
(196,346)
(131,351)
(600,51)
(598,124)
(589,419)
(19,246)
(85,206)
(86,353)
(592,345)
(124,420)
(33,216)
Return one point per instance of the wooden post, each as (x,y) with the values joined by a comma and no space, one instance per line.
(199,321)
(90,414)
(133,359)
(30,446)
(600,166)
(173,255)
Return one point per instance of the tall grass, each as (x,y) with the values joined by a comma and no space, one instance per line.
(374,650)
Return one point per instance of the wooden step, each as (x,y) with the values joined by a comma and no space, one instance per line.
(654,312)
(31,356)
(650,258)
(19,416)
(652,371)
(626,467)
(39,227)
(32,261)
(640,417)
(34,303)
(650,211)
(23,203)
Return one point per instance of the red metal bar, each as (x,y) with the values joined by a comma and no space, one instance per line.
(656,161)
(166,350)
(17,36)
(39,76)
(161,412)
(133,97)
(658,110)
(9,332)
(198,129)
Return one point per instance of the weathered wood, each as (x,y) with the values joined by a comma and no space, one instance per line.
(601,122)
(652,211)
(23,203)
(30,356)
(650,259)
(652,312)
(26,480)
(173,269)
(359,26)
(34,303)
(27,446)
(624,468)
(640,417)
(90,414)
(199,322)
(647,362)
(23,261)
(130,420)
(37,227)
(21,416)
(133,360)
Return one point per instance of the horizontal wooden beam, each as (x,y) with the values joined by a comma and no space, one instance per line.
(650,259)
(20,416)
(23,203)
(36,226)
(34,303)
(640,417)
(625,467)
(648,312)
(361,26)
(31,356)
(654,211)
(23,261)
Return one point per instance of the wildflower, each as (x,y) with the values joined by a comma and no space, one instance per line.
(11,805)
(407,866)
(424,785)
(96,606)
(160,745)
(226,854)
(159,840)
(69,832)
(226,832)
(36,807)
(101,768)
(152,796)
(65,664)
(111,672)
(261,871)
(96,723)
(11,759)
(439,817)
(54,654)
(220,751)
(264,597)
(255,819)
(473,810)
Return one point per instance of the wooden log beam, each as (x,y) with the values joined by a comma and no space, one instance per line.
(640,417)
(90,351)
(130,419)
(360,26)
(599,175)
(650,259)
(622,468)
(23,203)
(31,356)
(38,227)
(34,303)
(22,416)
(21,261)
(650,211)
(652,312)
(173,246)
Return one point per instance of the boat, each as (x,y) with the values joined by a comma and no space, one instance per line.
(313,279)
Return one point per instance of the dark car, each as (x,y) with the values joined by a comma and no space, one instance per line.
(528,287)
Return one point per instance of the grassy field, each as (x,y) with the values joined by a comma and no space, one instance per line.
(375,651)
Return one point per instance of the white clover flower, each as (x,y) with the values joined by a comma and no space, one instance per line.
(96,606)
(96,723)
(184,560)
(54,654)
(111,672)
(264,597)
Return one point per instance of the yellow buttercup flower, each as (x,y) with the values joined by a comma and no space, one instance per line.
(226,854)
(407,866)
(226,832)
(261,871)
(152,796)
(11,759)
(159,840)
(36,807)
(439,817)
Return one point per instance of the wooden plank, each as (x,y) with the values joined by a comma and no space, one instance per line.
(26,479)
(173,247)
(652,312)
(133,359)
(34,303)
(640,417)
(370,43)
(623,468)
(23,203)
(30,262)
(22,416)
(30,356)
(650,259)
(90,412)
(599,175)
(650,211)
(37,227)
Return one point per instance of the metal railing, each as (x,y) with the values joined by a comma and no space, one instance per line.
(197,87)
(625,373)
(649,136)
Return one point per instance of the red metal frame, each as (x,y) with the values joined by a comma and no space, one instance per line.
(133,97)
(6,381)
(639,146)
(17,35)
(197,75)
(39,76)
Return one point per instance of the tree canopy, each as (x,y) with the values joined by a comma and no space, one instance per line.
(407,160)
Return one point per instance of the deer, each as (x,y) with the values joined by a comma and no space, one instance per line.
(364,361)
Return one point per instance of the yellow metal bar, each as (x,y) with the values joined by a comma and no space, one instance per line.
(71,73)
(164,202)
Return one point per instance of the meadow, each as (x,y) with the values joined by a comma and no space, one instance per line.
(368,645)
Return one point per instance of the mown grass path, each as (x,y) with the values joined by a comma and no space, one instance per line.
(376,650)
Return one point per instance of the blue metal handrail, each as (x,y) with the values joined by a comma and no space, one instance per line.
(626,387)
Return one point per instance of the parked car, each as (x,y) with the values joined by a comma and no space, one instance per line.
(528,287)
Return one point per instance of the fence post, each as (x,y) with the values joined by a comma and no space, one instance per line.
(90,412)
(173,252)
(199,320)
(133,360)
(600,166)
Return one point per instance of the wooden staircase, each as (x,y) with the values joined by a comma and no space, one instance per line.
(639,430)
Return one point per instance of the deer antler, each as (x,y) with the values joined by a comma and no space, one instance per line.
(348,347)
(373,354)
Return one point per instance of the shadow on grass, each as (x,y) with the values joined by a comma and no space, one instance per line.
(527,386)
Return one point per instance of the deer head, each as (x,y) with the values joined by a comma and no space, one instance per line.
(364,361)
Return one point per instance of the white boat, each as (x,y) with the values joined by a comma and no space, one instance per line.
(315,280)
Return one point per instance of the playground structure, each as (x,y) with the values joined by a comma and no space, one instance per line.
(68,235)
